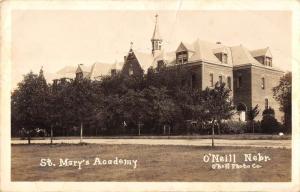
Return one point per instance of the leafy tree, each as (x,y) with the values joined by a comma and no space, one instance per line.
(30,104)
(135,108)
(83,101)
(218,105)
(162,109)
(269,123)
(62,110)
(283,93)
(251,114)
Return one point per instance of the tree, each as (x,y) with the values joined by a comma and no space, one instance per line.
(135,108)
(269,123)
(162,108)
(83,101)
(30,104)
(283,93)
(218,105)
(251,114)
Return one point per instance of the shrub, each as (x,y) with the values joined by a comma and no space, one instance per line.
(269,124)
(269,111)
(233,127)
(257,127)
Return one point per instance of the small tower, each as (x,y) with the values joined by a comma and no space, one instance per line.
(156,40)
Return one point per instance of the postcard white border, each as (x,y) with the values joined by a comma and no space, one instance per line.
(5,87)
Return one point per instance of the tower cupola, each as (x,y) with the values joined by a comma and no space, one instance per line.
(156,39)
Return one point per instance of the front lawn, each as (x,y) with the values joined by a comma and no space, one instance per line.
(154,163)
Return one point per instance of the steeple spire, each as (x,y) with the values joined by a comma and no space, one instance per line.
(156,35)
(156,40)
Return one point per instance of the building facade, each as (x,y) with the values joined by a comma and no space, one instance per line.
(249,74)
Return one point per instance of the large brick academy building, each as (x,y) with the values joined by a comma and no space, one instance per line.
(248,73)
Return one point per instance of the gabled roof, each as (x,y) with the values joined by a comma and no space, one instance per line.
(241,56)
(183,46)
(145,60)
(82,68)
(261,52)
(99,69)
(89,71)
(204,51)
(220,50)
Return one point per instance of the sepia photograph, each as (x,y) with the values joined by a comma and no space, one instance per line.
(154,95)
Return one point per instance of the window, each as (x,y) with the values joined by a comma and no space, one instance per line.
(239,82)
(229,82)
(211,79)
(193,81)
(266,103)
(220,79)
(263,83)
(79,75)
(130,71)
(182,57)
(224,58)
(268,61)
(113,72)
(160,64)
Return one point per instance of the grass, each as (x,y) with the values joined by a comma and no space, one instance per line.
(155,163)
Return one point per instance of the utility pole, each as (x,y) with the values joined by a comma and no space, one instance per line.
(213,135)
(80,132)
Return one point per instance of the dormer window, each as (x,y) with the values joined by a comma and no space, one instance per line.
(223,57)
(161,64)
(181,57)
(263,56)
(268,61)
(79,75)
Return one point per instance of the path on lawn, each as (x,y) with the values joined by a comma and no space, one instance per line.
(187,142)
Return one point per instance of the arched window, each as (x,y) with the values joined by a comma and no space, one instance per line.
(193,81)
(220,79)
(266,103)
(130,71)
(229,82)
(263,83)
(239,82)
(242,108)
(211,79)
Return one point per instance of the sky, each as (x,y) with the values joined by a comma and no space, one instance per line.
(57,38)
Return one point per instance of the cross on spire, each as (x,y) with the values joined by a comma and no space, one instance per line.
(131,45)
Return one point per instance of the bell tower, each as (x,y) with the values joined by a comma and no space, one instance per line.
(156,40)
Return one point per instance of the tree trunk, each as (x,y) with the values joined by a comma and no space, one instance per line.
(252,126)
(51,135)
(29,138)
(139,126)
(81,132)
(213,135)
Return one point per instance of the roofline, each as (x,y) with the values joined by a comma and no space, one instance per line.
(236,67)
(210,63)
